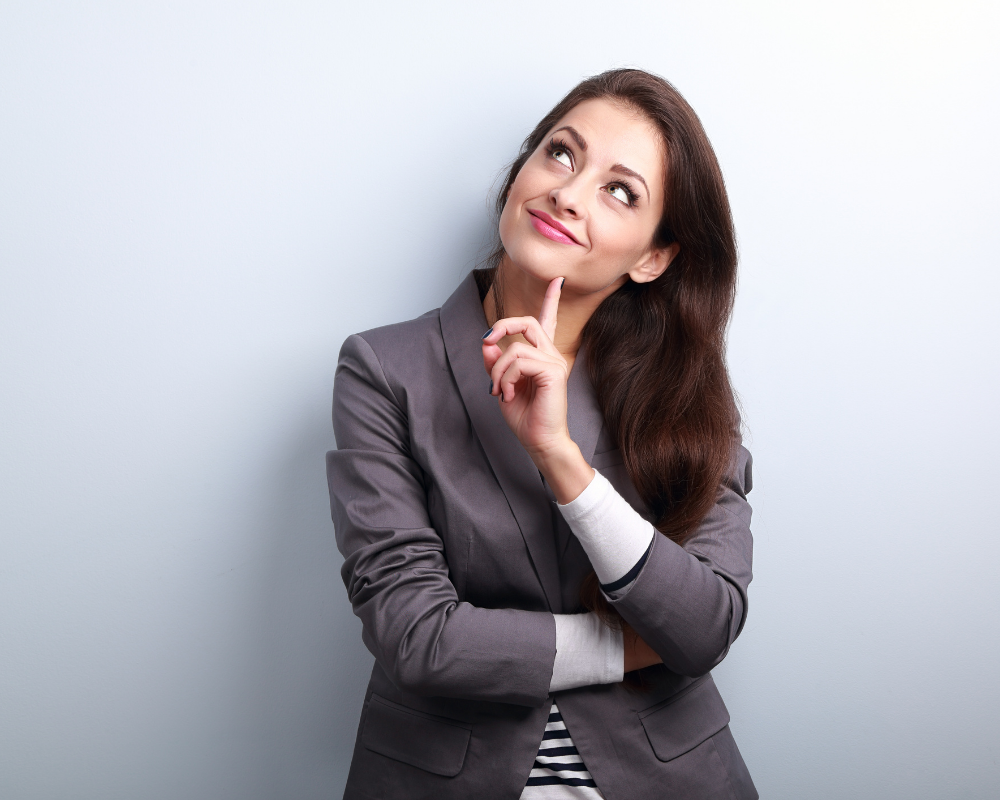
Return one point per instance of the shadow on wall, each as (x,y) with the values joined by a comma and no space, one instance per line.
(315,665)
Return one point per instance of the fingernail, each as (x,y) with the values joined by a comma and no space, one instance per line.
(562,284)
(488,333)
(491,387)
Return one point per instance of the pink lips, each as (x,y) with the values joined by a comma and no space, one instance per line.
(551,229)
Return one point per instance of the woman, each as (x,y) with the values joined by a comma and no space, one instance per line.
(595,464)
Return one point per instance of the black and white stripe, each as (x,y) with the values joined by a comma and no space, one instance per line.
(559,772)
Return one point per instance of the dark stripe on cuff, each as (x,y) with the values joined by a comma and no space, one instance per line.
(629,576)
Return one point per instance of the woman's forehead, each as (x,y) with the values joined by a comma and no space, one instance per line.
(611,131)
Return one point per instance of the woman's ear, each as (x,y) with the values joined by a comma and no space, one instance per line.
(654,263)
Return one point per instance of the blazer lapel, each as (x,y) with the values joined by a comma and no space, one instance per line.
(462,325)
(584,418)
(585,422)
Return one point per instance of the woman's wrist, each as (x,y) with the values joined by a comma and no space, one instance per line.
(564,468)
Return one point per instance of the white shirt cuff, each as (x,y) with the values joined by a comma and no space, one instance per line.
(588,652)
(613,534)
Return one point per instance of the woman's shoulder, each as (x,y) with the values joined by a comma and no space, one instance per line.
(401,350)
(403,334)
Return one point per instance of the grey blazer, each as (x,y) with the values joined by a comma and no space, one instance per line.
(456,557)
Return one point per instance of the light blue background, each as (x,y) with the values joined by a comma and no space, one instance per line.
(199,201)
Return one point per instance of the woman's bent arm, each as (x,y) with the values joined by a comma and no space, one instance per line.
(692,633)
(395,569)
(690,603)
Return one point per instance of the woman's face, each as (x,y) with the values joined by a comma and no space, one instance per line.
(587,202)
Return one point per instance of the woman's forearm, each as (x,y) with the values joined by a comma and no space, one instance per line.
(613,535)
(564,468)
(588,652)
(617,540)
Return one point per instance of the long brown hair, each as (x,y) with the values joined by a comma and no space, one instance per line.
(656,351)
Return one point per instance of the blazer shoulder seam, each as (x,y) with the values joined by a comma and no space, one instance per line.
(734,514)
(381,370)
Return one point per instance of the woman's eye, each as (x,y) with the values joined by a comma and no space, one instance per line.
(562,157)
(620,194)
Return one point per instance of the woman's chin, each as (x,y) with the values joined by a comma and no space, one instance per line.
(542,269)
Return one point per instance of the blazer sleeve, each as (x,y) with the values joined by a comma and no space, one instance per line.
(395,569)
(689,603)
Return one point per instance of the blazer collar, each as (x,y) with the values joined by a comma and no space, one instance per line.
(462,326)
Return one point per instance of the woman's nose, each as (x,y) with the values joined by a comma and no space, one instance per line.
(566,198)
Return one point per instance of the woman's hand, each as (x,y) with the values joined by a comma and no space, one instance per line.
(530,377)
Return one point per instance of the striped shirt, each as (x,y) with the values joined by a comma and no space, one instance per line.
(559,772)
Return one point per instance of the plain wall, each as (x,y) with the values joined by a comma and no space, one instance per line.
(199,201)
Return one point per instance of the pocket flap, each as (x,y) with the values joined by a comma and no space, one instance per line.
(420,740)
(683,722)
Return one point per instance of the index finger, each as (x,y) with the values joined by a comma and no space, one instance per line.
(550,307)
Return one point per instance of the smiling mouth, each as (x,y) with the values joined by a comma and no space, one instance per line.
(551,229)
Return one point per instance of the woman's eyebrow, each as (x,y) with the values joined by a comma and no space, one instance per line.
(622,169)
(580,141)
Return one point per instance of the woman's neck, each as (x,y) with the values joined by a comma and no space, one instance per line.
(522,297)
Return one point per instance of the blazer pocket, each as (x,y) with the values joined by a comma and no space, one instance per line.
(682,722)
(421,740)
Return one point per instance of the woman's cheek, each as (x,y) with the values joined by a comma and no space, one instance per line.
(619,246)
(509,235)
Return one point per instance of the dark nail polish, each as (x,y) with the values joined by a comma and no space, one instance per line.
(488,333)
(491,387)
(562,284)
